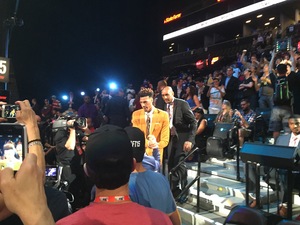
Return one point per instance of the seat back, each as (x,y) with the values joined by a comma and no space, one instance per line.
(288,222)
(219,145)
(210,122)
(243,215)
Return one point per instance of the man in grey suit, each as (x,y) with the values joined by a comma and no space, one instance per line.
(291,140)
(183,127)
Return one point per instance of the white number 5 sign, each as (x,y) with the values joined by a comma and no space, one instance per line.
(4,69)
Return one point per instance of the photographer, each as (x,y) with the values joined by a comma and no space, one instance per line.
(65,142)
(69,139)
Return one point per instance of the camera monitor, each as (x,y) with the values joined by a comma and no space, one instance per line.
(13,145)
(51,172)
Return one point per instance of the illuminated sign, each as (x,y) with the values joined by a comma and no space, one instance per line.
(227,16)
(171,18)
(214,59)
(4,69)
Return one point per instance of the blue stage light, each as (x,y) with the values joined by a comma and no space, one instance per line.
(65,97)
(113,86)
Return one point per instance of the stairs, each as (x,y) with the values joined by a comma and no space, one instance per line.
(220,191)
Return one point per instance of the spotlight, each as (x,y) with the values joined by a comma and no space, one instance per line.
(65,97)
(82,93)
(98,89)
(113,86)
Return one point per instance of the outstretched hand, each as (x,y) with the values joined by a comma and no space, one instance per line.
(24,193)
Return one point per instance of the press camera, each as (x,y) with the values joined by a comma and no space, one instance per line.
(69,122)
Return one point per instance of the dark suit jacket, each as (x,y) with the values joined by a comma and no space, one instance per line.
(175,92)
(231,90)
(284,140)
(204,98)
(184,121)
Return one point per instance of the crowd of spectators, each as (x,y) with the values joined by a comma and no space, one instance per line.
(247,84)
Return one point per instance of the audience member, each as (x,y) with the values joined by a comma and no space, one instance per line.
(35,107)
(225,115)
(215,94)
(159,102)
(178,90)
(290,139)
(230,84)
(88,109)
(146,187)
(109,163)
(202,94)
(46,111)
(191,97)
(117,111)
(247,89)
(55,103)
(282,107)
(25,191)
(266,87)
(245,118)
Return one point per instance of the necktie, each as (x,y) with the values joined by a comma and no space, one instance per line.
(169,111)
(295,141)
(147,125)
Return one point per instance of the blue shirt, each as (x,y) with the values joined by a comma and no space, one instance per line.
(152,190)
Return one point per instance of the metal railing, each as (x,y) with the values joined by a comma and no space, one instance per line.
(196,179)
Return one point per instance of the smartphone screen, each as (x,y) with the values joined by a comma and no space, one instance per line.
(13,145)
(9,111)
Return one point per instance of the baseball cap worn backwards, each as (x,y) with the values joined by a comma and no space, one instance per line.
(108,149)
(137,139)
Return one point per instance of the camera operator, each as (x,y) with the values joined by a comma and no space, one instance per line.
(69,140)
(65,142)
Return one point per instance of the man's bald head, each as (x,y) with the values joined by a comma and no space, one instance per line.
(167,94)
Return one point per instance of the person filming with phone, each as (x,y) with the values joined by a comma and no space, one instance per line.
(23,192)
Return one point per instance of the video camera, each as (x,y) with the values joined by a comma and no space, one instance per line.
(69,122)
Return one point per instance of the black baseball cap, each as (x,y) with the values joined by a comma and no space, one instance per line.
(109,157)
(137,139)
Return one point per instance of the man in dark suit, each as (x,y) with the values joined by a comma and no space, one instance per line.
(178,90)
(159,102)
(202,94)
(231,85)
(292,140)
(183,127)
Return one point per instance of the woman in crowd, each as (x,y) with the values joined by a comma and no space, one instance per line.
(225,115)
(215,94)
(202,131)
(192,98)
(201,135)
(247,89)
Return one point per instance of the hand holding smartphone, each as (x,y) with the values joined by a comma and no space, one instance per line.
(13,145)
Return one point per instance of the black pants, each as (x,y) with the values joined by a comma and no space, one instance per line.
(175,155)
